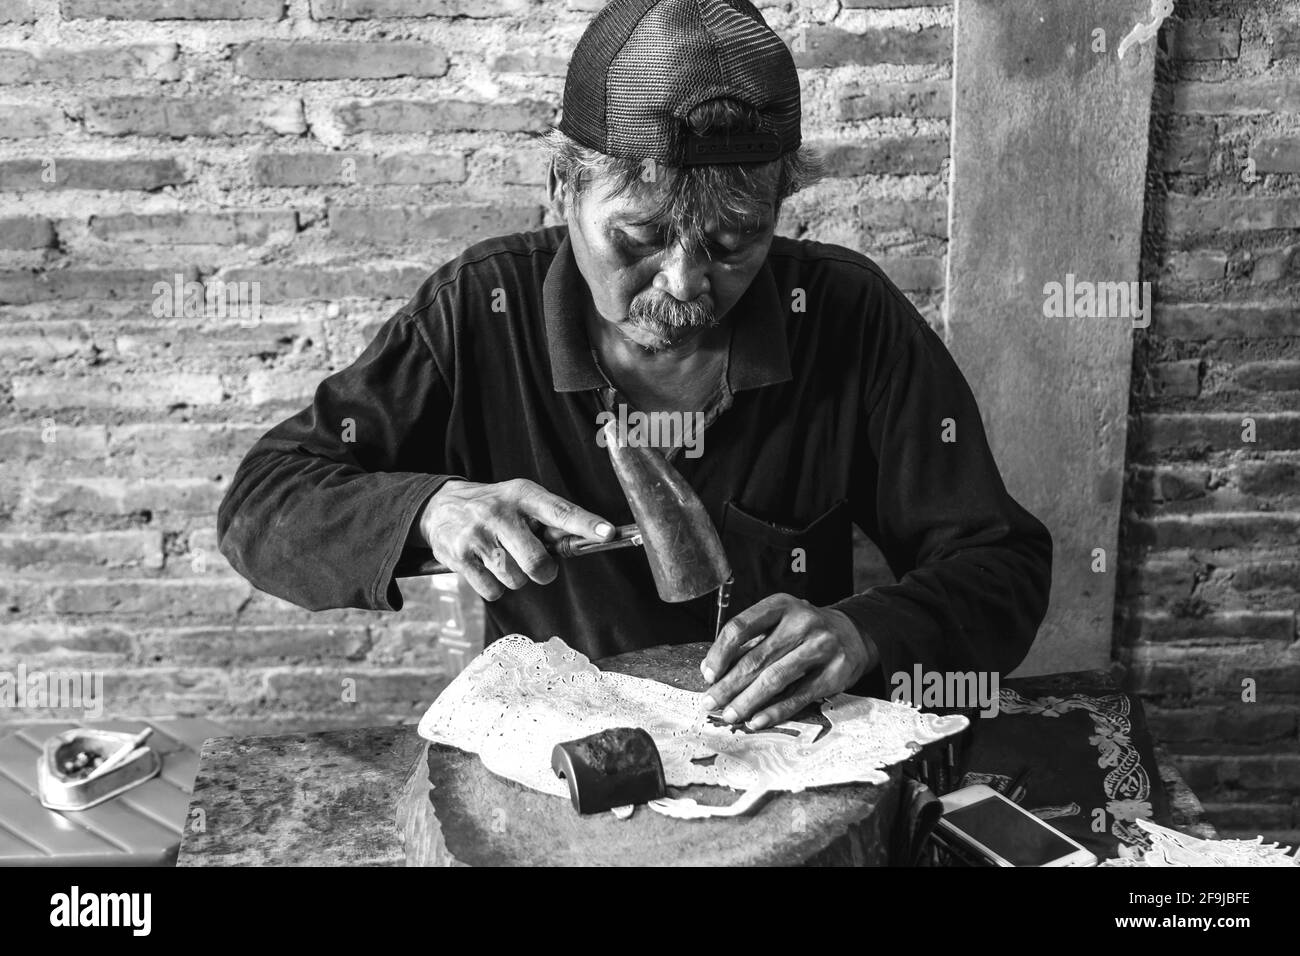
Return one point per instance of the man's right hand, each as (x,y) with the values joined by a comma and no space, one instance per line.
(493,533)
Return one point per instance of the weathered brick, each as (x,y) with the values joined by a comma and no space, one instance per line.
(112,548)
(891,4)
(53,440)
(899,155)
(421,116)
(397,224)
(158,391)
(820,46)
(925,217)
(324,688)
(1272,682)
(141,173)
(1188,146)
(1181,379)
(47,342)
(149,691)
(175,297)
(304,169)
(177,117)
(914,273)
(1275,265)
(338,60)
(279,284)
(296,387)
(1286,40)
(17,11)
(1217,39)
(172,9)
(1170,579)
(219,597)
(204,537)
(19,287)
(264,608)
(1170,483)
(244,227)
(1240,529)
(1268,478)
(411,169)
(320,169)
(20,121)
(26,232)
(1198,321)
(1186,215)
(208,341)
(532,63)
(365,9)
(122,496)
(514,167)
(1197,266)
(1271,94)
(1268,376)
(1268,575)
(1156,679)
(1251,817)
(63,641)
(267,644)
(154,441)
(1241,723)
(1277,155)
(926,98)
(1201,774)
(1228,626)
(53,64)
(1281,772)
(1226,674)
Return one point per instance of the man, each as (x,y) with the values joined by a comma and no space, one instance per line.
(469,425)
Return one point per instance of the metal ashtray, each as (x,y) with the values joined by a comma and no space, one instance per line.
(68,763)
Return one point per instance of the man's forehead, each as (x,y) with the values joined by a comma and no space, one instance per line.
(638,212)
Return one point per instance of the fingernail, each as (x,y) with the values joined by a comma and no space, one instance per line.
(707,672)
(730,715)
(604,529)
(759,722)
(708,703)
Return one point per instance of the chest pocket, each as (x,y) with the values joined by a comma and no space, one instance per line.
(814,562)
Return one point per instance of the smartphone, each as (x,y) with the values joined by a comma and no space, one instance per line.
(983,823)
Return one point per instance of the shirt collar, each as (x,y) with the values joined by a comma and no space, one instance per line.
(759,352)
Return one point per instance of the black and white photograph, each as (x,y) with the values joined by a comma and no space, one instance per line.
(646,433)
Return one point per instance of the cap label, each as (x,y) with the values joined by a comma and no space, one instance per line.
(732,148)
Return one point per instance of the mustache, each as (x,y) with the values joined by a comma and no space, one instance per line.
(671,319)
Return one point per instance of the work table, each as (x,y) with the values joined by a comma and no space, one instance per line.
(334,798)
(331,798)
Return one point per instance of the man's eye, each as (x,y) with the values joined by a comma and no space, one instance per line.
(640,247)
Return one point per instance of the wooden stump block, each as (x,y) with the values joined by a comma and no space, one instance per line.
(452,811)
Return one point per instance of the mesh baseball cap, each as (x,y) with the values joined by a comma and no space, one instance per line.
(643,65)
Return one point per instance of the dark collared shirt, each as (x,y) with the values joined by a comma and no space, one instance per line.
(839,405)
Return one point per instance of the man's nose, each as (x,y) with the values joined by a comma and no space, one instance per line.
(683,273)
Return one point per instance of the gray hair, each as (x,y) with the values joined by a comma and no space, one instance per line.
(730,194)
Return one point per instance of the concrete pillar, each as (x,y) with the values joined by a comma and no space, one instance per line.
(1049,157)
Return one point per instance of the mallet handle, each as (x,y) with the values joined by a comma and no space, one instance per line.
(572,546)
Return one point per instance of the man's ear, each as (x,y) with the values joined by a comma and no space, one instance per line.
(555,192)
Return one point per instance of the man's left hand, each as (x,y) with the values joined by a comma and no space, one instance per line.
(775,658)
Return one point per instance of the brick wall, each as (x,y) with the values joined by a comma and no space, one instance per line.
(1211,582)
(334,152)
